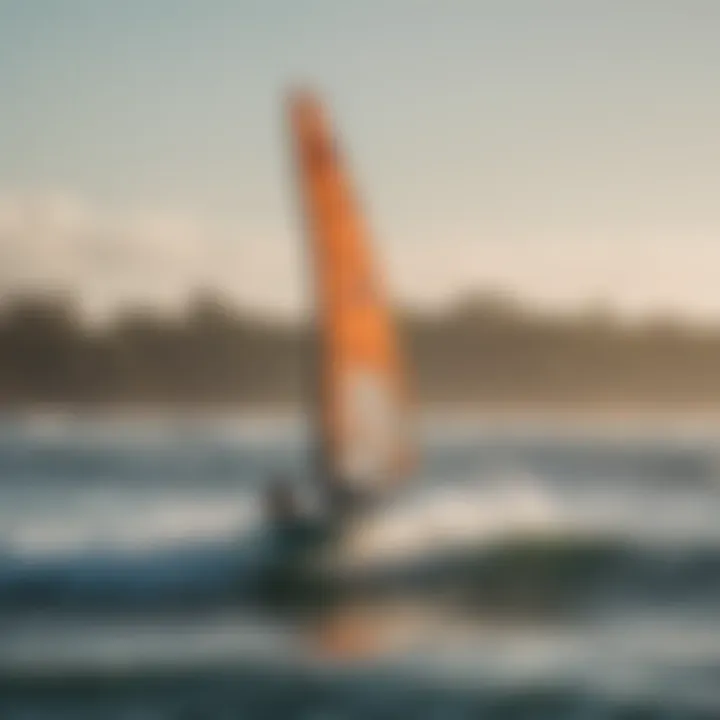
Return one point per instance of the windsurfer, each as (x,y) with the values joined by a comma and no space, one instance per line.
(294,526)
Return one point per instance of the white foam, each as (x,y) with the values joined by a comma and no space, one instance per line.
(444,517)
(152,525)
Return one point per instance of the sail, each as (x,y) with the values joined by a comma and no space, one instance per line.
(361,397)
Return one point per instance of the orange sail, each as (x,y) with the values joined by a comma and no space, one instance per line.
(362,415)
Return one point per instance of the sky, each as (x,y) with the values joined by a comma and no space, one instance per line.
(564,151)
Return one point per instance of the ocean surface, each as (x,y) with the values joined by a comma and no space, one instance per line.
(539,567)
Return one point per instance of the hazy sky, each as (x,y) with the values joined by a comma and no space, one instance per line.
(568,151)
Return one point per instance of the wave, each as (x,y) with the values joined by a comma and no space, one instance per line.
(274,688)
(534,572)
(510,542)
(184,574)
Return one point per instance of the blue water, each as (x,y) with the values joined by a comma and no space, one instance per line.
(540,567)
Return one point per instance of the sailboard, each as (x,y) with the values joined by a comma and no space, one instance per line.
(360,390)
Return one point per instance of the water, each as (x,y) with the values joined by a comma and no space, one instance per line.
(539,569)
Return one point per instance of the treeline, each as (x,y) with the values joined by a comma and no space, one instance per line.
(487,349)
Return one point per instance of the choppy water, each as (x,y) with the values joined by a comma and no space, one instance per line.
(574,570)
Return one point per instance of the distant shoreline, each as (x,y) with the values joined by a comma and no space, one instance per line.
(489,355)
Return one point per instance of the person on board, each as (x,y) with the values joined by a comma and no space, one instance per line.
(292,525)
(299,538)
(280,502)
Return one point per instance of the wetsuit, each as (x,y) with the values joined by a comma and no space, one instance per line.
(295,578)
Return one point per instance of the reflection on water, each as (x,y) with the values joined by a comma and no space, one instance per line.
(532,570)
